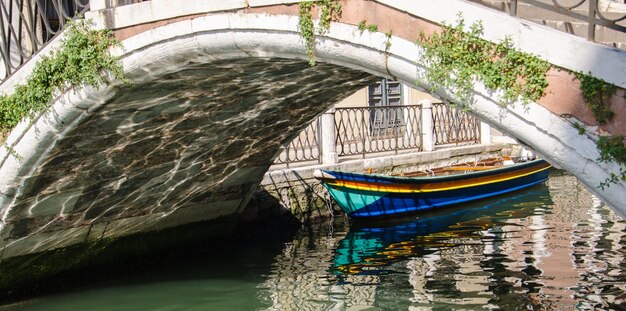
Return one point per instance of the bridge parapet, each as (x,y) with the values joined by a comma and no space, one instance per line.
(33,28)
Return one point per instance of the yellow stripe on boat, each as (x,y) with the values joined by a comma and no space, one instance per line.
(393,188)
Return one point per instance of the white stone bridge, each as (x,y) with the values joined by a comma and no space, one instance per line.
(218,86)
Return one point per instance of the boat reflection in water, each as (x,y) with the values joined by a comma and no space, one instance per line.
(370,247)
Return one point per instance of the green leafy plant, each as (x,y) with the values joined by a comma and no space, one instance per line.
(362,26)
(579,127)
(456,57)
(612,150)
(307,30)
(369,27)
(388,42)
(329,10)
(82,59)
(597,94)
(14,153)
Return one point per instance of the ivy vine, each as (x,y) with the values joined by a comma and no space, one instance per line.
(329,10)
(581,128)
(388,40)
(597,94)
(82,59)
(307,30)
(456,57)
(612,150)
(363,25)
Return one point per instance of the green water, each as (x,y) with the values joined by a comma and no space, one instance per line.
(554,247)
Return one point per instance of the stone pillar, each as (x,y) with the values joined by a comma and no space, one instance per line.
(428,142)
(485,133)
(329,134)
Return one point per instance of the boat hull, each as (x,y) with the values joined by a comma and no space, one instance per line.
(363,196)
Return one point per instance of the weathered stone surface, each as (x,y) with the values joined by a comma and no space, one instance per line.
(43,241)
(173,151)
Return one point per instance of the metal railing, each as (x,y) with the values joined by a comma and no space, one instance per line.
(596,14)
(453,126)
(360,131)
(27,25)
(305,147)
(365,130)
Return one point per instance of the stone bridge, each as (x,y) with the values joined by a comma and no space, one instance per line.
(218,86)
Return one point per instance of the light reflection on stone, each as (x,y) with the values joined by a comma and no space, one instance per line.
(186,147)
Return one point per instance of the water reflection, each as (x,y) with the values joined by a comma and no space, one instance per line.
(552,247)
(369,248)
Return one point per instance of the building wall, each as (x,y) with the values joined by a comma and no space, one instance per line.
(359,98)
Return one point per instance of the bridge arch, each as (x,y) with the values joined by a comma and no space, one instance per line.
(195,48)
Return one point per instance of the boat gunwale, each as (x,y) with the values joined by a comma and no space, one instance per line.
(387,179)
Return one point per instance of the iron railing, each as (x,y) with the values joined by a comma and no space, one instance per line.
(360,131)
(366,130)
(596,14)
(305,147)
(27,25)
(453,126)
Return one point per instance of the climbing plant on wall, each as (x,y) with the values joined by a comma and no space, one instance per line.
(456,58)
(82,59)
(597,94)
(612,150)
(329,10)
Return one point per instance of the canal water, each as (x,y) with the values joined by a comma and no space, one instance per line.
(554,246)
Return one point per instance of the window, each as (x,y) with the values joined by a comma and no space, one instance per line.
(384,99)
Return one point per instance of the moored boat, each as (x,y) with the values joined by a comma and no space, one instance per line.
(372,247)
(372,195)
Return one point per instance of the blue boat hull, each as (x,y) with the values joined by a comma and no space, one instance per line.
(357,195)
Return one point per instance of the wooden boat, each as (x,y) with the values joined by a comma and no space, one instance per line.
(372,195)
